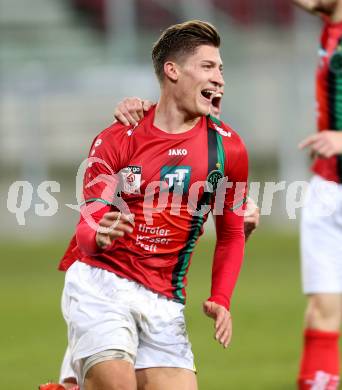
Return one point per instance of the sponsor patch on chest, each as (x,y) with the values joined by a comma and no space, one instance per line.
(131,179)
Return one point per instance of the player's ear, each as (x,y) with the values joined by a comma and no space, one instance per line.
(171,70)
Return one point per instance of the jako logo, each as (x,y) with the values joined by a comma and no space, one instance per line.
(178,152)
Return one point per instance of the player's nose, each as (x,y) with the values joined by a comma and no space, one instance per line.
(218,79)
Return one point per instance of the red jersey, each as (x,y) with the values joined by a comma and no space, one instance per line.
(329,96)
(162,177)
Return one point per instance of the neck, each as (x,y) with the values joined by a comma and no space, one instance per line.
(336,15)
(171,118)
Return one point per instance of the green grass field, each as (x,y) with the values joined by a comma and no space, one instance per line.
(267,312)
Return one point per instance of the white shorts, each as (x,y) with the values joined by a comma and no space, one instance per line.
(104,311)
(321,237)
(66,369)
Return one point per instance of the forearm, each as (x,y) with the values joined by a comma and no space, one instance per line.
(87,228)
(226,268)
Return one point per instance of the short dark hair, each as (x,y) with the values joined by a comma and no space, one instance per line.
(181,40)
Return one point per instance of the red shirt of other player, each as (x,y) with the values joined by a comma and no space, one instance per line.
(329,97)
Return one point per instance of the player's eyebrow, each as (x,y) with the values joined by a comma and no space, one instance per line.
(213,64)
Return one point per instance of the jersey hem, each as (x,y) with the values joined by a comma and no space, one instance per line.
(124,276)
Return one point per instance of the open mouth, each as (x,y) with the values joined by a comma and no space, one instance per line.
(208,94)
(216,100)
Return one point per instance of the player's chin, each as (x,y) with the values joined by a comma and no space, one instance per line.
(215,111)
(203,109)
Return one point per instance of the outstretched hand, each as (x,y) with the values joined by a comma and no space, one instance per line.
(325,144)
(223,322)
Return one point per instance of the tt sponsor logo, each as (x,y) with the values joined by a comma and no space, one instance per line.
(177,177)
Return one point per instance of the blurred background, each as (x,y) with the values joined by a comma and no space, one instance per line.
(64,65)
